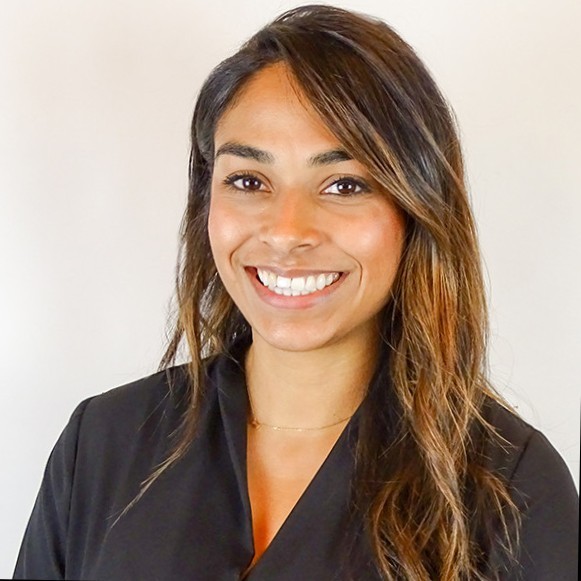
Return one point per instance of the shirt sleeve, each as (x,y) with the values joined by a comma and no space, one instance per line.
(549,506)
(43,550)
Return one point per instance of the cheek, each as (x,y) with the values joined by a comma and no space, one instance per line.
(226,231)
(213,225)
(380,244)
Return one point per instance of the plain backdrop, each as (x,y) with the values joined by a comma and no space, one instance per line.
(95,105)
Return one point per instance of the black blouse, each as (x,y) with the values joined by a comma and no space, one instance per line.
(194,523)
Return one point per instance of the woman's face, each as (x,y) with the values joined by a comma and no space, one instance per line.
(304,242)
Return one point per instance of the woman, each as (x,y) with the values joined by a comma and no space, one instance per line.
(335,421)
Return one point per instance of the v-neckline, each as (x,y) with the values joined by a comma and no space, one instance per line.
(234,405)
(298,507)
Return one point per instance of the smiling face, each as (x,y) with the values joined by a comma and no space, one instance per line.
(304,242)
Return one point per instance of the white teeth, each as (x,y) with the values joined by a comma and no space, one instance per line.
(311,284)
(296,286)
(283,282)
(263,276)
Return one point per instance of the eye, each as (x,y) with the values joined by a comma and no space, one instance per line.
(347,186)
(244,182)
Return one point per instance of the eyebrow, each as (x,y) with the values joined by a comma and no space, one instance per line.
(261,156)
(329,157)
(245,151)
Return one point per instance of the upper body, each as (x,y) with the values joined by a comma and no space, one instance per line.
(328,220)
(195,522)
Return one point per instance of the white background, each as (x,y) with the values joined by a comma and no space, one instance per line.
(95,105)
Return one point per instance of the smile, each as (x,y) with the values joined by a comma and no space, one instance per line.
(296,286)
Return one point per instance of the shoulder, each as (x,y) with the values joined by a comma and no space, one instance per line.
(135,406)
(520,450)
(143,394)
(146,412)
(115,440)
(542,488)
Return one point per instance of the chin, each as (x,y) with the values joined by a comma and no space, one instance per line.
(289,338)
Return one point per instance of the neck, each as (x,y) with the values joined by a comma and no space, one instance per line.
(308,389)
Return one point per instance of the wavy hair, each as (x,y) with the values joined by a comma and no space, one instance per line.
(425,491)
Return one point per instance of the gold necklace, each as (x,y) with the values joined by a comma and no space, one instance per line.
(256,424)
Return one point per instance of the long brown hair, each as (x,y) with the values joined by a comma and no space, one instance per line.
(425,492)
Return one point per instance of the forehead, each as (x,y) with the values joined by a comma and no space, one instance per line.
(271,107)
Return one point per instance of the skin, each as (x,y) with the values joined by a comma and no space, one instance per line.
(298,210)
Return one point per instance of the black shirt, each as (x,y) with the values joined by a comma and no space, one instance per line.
(194,523)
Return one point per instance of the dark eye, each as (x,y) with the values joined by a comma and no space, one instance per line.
(247,183)
(347,187)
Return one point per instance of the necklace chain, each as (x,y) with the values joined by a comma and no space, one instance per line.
(256,424)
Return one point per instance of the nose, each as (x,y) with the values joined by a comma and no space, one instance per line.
(289,222)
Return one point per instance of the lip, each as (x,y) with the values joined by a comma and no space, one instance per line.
(298,302)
